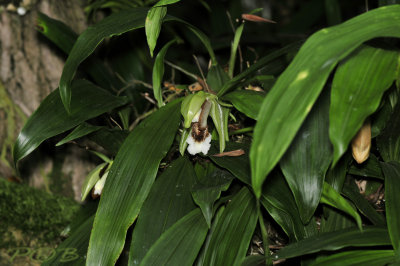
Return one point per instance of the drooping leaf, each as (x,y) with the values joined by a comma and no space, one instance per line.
(115,24)
(246,101)
(231,238)
(64,37)
(169,200)
(59,33)
(166,2)
(51,119)
(331,197)
(158,73)
(389,141)
(352,237)
(391,171)
(308,158)
(239,166)
(357,88)
(280,204)
(80,131)
(86,43)
(358,257)
(208,190)
(293,95)
(153,24)
(364,206)
(180,244)
(129,181)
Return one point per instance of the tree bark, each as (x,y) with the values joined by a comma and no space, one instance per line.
(30,68)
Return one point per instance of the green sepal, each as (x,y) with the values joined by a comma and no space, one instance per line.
(191,105)
(219,116)
(91,180)
(182,143)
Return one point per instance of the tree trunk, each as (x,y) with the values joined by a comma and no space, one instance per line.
(30,68)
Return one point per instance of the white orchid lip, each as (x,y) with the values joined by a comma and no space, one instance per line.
(199,139)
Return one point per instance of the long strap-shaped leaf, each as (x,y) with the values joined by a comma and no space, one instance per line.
(180,244)
(370,236)
(307,159)
(51,119)
(129,181)
(169,200)
(296,90)
(230,240)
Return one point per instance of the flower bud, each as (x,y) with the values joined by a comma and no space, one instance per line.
(361,143)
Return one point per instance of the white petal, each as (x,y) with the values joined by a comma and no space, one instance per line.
(197,147)
(98,188)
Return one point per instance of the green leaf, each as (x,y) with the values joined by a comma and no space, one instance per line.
(280,204)
(294,93)
(80,131)
(153,24)
(217,114)
(332,198)
(216,78)
(129,181)
(215,221)
(180,244)
(56,31)
(357,88)
(230,240)
(391,171)
(74,247)
(51,119)
(262,62)
(305,163)
(363,205)
(169,200)
(246,101)
(234,47)
(352,237)
(115,24)
(370,168)
(208,190)
(239,166)
(358,257)
(86,43)
(91,180)
(166,2)
(109,139)
(389,141)
(158,73)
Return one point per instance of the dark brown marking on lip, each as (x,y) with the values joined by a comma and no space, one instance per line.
(199,134)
